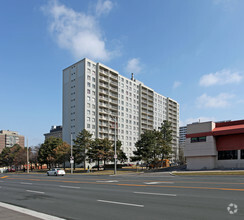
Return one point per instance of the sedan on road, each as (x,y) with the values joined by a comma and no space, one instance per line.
(56,172)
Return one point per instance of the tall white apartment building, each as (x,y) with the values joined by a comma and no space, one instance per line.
(95,96)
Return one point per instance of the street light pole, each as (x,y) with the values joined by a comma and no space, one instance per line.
(115,154)
(27,158)
(71,156)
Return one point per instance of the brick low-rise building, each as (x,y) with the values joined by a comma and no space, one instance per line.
(10,138)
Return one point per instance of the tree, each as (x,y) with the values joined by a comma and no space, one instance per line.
(20,157)
(8,155)
(121,155)
(154,145)
(100,149)
(147,147)
(62,153)
(166,135)
(33,153)
(46,153)
(81,145)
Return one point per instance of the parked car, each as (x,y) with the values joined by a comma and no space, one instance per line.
(11,170)
(56,172)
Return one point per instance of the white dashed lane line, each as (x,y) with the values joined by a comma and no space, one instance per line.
(32,191)
(121,203)
(152,183)
(156,194)
(26,183)
(70,187)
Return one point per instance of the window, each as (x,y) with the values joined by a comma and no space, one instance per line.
(242,154)
(227,155)
(198,139)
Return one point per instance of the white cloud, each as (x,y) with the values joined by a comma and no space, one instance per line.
(76,32)
(103,7)
(176,84)
(220,101)
(199,119)
(220,78)
(133,66)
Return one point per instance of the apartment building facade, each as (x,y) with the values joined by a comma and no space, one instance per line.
(96,97)
(10,138)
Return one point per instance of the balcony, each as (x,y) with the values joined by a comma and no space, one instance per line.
(103,98)
(114,95)
(114,83)
(113,89)
(113,76)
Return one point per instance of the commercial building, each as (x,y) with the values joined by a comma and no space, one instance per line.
(95,97)
(10,138)
(211,145)
(56,131)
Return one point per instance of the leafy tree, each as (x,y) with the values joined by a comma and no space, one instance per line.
(101,149)
(8,155)
(81,146)
(20,157)
(121,155)
(62,153)
(46,153)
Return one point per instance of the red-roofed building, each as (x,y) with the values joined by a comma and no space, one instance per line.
(211,145)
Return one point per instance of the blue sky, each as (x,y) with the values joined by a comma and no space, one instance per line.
(188,50)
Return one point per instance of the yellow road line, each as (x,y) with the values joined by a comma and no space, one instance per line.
(138,185)
(4,177)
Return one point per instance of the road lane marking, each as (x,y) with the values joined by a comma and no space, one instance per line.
(26,183)
(142,185)
(29,212)
(35,191)
(107,181)
(70,187)
(156,194)
(152,183)
(121,203)
(3,177)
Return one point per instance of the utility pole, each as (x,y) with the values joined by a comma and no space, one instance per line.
(28,170)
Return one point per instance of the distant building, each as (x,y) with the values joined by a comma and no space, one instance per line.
(211,145)
(56,131)
(10,138)
(182,140)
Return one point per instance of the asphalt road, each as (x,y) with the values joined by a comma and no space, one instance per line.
(146,196)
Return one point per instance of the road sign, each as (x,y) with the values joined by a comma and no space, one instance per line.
(115,156)
(71,161)
(72,158)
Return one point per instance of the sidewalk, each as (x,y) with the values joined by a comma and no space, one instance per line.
(12,212)
(7,214)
